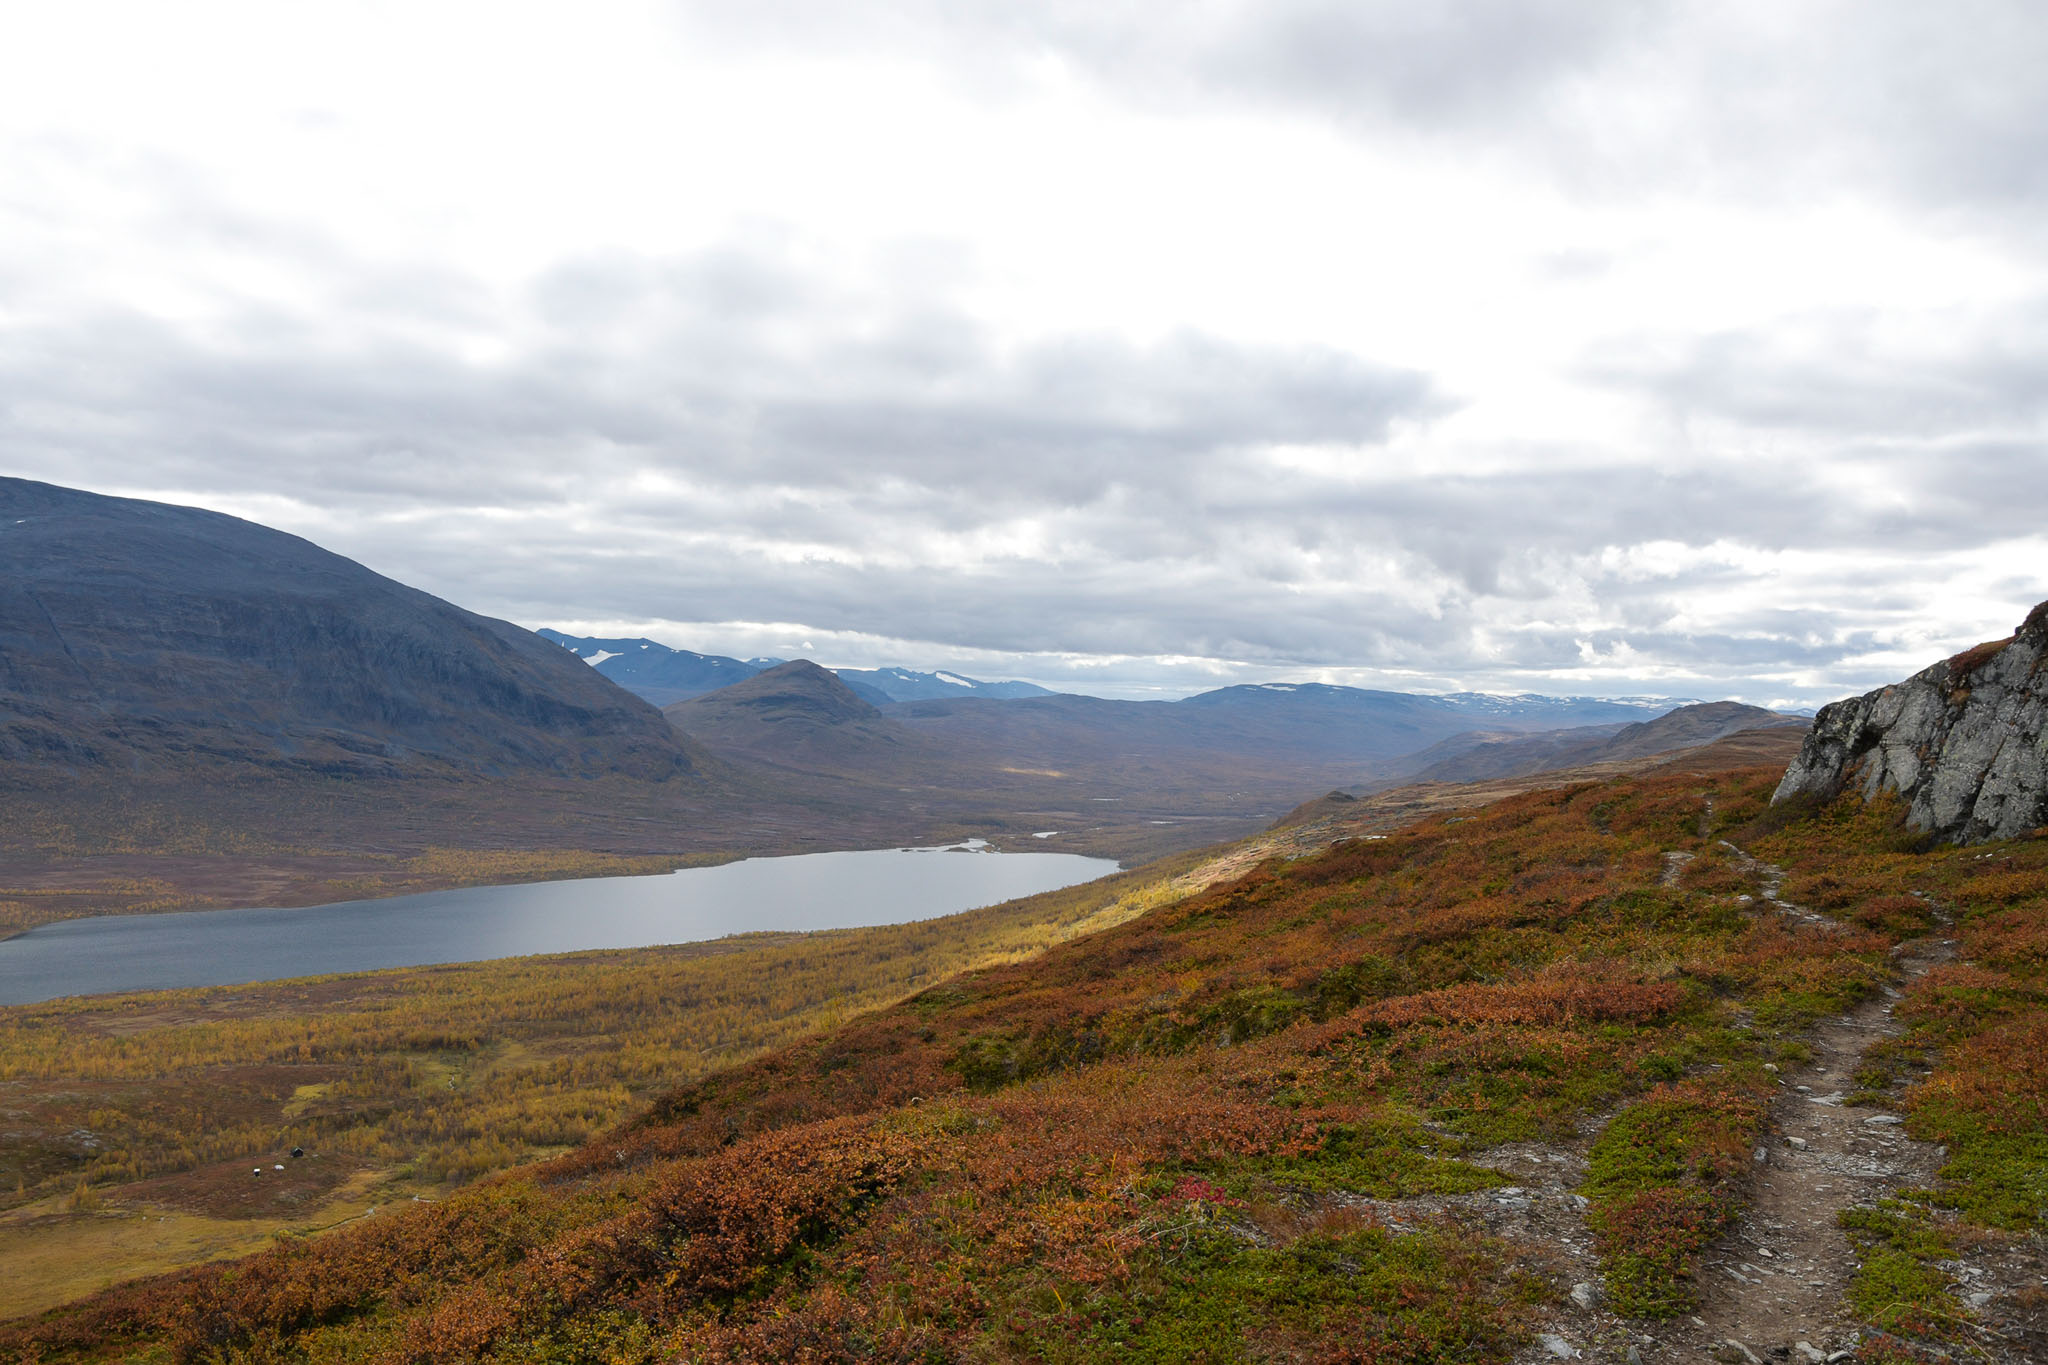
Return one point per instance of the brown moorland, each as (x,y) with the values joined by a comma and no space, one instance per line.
(135,1119)
(1285,1116)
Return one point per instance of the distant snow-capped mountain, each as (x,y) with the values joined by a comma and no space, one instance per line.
(654,671)
(902,684)
(1467,710)
(664,675)
(1521,702)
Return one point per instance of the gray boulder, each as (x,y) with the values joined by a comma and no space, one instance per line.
(1964,743)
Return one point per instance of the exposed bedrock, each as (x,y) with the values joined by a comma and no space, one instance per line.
(1964,743)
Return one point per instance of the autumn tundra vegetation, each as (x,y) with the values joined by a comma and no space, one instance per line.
(144,1113)
(1190,1136)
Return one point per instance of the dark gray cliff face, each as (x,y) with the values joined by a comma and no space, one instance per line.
(138,637)
(1965,742)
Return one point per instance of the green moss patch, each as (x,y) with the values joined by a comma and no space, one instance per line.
(1363,1295)
(1659,1179)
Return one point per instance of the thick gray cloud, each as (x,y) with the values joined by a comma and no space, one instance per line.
(1523,478)
(1939,105)
(719,438)
(666,368)
(1165,532)
(1864,373)
(1454,64)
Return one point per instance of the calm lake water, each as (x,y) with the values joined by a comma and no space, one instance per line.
(809,891)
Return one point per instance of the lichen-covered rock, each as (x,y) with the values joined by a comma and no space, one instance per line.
(1965,742)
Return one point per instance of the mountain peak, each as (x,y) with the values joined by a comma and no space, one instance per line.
(795,716)
(803,685)
(796,694)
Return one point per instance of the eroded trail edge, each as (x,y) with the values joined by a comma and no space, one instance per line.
(1776,1284)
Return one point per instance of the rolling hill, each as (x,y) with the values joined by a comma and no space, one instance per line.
(1133,778)
(801,718)
(1483,754)
(1236,735)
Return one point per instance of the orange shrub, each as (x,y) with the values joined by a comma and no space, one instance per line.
(1563,999)
(1999,1078)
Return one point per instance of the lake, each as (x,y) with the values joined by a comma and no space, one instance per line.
(807,891)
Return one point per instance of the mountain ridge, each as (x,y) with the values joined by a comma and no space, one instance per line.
(144,638)
(663,674)
(652,671)
(1481,755)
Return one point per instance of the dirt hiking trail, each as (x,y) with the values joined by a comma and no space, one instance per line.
(1774,1287)
(1780,1276)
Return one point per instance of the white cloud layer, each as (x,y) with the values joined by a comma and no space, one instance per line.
(1686,348)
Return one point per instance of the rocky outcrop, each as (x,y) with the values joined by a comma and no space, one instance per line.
(1964,743)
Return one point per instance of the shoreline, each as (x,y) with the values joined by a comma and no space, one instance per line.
(172,949)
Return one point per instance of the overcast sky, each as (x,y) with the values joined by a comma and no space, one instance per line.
(1696,350)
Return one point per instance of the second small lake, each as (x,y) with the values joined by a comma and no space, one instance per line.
(808,891)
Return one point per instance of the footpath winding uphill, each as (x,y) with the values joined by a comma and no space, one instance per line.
(1781,1283)
(1778,1285)
(1783,1278)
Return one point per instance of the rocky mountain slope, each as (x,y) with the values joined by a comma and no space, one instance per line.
(1963,743)
(147,640)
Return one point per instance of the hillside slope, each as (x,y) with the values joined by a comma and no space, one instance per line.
(1322,727)
(1964,742)
(232,1065)
(138,638)
(1479,756)
(1386,1103)
(802,718)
